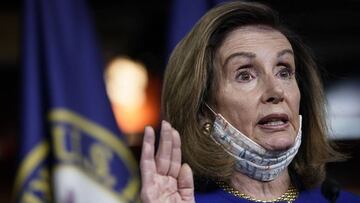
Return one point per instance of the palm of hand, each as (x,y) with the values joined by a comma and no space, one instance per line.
(164,179)
(165,190)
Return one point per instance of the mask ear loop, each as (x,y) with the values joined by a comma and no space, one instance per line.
(210,109)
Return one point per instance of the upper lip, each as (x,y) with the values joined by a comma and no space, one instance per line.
(274,116)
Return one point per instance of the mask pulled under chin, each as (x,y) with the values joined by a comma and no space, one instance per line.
(252,159)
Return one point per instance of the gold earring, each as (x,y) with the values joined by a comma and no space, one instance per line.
(207,128)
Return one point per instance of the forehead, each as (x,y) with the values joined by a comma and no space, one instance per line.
(255,39)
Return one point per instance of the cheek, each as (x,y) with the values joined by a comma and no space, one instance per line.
(247,114)
(237,100)
(238,105)
(294,98)
(297,96)
(241,112)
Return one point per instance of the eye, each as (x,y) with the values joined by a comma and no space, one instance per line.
(286,72)
(244,76)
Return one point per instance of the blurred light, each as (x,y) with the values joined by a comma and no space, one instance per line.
(126,82)
(134,96)
(344,110)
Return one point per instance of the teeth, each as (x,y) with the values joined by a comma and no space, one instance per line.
(273,123)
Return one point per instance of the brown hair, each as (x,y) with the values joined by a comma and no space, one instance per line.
(190,80)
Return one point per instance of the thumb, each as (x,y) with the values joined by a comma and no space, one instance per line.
(186,183)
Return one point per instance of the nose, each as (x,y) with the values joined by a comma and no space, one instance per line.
(273,91)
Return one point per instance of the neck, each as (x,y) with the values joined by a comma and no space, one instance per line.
(261,190)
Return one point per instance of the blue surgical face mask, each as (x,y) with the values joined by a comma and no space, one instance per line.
(252,159)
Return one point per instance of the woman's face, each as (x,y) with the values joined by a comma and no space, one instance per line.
(257,90)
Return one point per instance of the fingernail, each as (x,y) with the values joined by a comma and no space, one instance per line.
(164,123)
(148,128)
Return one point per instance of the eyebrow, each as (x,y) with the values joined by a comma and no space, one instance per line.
(241,54)
(285,51)
(252,55)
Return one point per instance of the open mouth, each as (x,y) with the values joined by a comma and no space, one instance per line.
(274,120)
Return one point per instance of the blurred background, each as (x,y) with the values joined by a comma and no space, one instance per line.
(134,39)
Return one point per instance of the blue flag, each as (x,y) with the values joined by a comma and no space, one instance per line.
(183,16)
(71,148)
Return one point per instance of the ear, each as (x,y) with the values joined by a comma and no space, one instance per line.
(206,119)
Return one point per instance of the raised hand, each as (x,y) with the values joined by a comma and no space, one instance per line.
(164,178)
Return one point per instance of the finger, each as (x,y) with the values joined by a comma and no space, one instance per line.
(147,161)
(175,161)
(186,183)
(163,154)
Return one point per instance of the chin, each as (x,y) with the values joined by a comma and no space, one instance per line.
(278,142)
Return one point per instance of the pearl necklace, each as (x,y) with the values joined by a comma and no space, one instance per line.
(289,196)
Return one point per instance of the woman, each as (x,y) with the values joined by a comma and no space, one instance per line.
(245,99)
